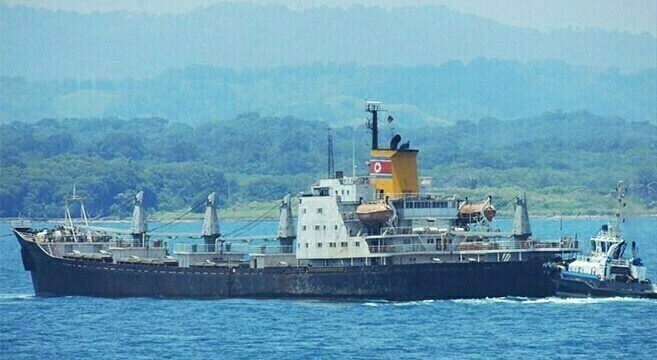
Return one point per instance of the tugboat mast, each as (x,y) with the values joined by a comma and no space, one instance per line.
(620,198)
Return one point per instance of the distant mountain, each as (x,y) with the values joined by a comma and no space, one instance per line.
(42,44)
(420,95)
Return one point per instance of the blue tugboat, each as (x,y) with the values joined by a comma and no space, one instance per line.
(605,271)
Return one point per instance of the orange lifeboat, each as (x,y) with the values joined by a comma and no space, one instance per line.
(372,214)
(475,211)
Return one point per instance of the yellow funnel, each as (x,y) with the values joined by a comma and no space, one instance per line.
(394,172)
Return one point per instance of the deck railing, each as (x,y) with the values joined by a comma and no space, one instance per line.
(478,246)
(228,248)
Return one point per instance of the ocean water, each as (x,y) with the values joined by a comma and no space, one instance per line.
(509,328)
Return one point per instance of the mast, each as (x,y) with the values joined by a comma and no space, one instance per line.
(521,228)
(210,231)
(83,213)
(139,225)
(331,160)
(620,204)
(286,234)
(373,107)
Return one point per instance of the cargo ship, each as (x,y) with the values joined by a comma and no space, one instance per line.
(376,236)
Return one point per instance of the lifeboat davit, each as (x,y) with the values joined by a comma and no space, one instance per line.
(371,214)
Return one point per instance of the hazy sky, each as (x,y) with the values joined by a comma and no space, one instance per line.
(627,15)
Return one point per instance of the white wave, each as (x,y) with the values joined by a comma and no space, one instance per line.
(548,300)
(586,300)
(398,303)
(372,304)
(16,296)
(413,303)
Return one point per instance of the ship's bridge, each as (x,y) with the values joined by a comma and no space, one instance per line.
(345,189)
(414,206)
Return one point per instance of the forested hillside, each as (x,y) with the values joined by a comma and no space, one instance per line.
(569,161)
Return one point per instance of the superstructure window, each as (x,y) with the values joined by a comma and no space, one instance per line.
(306,244)
(357,244)
(319,210)
(317,227)
(319,245)
(332,244)
(304,228)
(343,244)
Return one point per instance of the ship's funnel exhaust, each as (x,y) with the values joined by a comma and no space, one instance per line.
(286,233)
(521,228)
(139,225)
(210,231)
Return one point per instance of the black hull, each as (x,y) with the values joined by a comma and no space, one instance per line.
(62,277)
(595,288)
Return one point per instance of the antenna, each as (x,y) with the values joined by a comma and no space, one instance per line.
(353,154)
(331,161)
